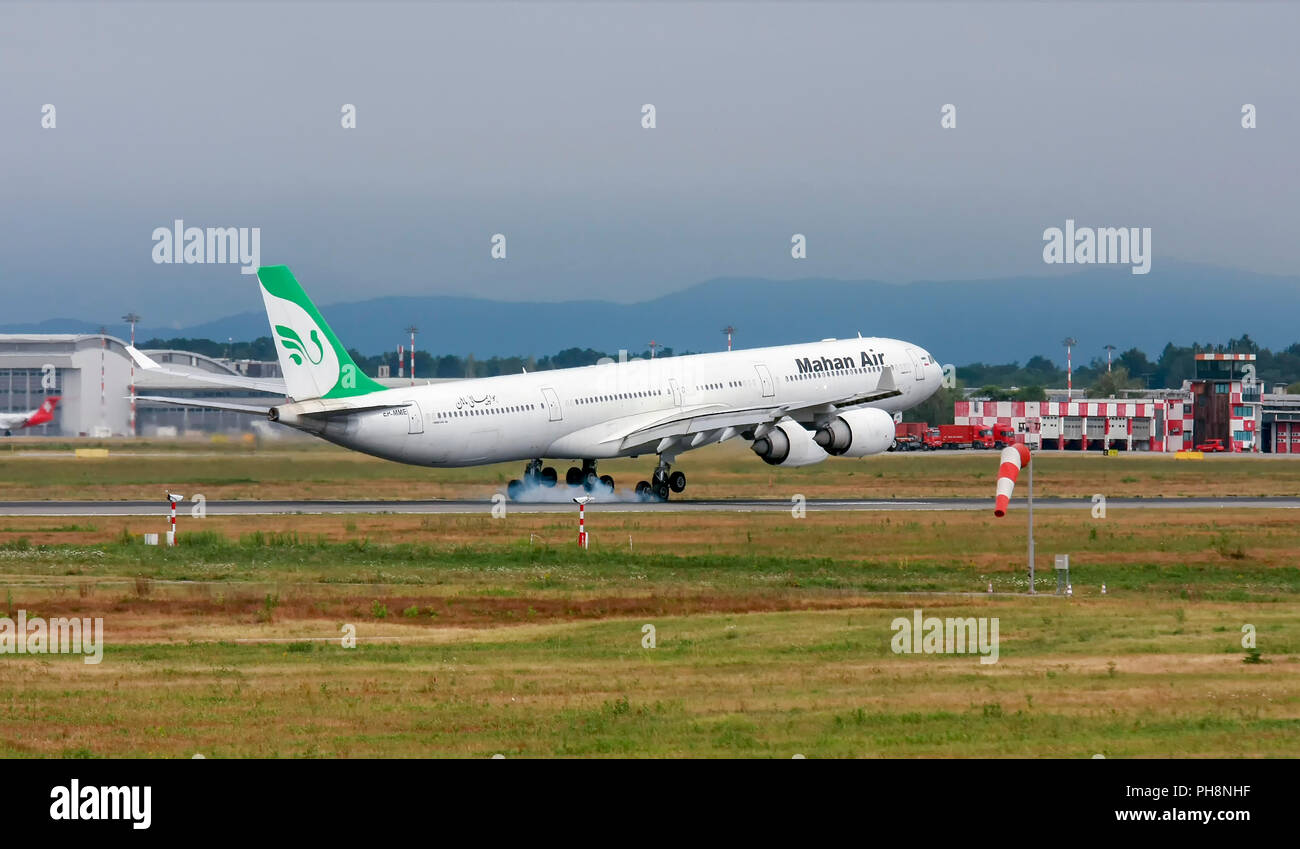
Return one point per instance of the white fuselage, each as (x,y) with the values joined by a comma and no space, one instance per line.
(586,412)
(14,421)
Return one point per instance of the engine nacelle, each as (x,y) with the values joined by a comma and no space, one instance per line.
(788,444)
(857,433)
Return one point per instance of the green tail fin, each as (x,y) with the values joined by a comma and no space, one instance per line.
(314,361)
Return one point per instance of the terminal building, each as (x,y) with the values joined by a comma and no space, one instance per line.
(1222,408)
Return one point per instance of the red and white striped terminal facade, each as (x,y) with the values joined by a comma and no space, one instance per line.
(1231,408)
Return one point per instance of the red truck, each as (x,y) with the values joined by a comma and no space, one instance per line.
(1211,446)
(908,436)
(965,436)
(1003,435)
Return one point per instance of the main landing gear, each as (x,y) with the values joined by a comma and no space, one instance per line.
(536,475)
(587,477)
(662,482)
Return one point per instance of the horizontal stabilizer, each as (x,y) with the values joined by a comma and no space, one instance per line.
(208,405)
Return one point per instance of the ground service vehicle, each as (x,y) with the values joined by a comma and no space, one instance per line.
(965,436)
(909,436)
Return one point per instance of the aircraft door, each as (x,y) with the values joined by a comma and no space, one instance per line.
(916,364)
(414,418)
(676,390)
(765,380)
(552,404)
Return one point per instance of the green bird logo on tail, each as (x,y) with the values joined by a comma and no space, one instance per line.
(293,343)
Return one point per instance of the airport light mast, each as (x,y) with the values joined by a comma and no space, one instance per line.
(412,330)
(1109,348)
(103,347)
(132,319)
(1069,342)
(728,330)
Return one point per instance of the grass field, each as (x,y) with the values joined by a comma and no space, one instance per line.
(773,635)
(47,469)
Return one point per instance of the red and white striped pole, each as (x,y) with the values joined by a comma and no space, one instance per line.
(1069,342)
(132,319)
(581,501)
(411,330)
(103,347)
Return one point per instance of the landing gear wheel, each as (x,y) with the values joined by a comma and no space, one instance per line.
(549,477)
(573,476)
(643,489)
(514,488)
(608,482)
(590,480)
(677,481)
(661,491)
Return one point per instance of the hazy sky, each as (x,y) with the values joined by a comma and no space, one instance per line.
(525,119)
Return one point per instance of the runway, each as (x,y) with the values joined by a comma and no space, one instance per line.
(275,508)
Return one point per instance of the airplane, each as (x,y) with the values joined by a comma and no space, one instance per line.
(42,414)
(794,404)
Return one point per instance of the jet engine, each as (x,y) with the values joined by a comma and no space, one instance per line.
(856,433)
(788,444)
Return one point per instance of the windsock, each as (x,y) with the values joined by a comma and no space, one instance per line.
(1014,458)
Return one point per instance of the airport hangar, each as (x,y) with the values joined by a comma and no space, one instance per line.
(92,373)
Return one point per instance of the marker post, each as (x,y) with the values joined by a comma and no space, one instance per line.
(581,501)
(172,499)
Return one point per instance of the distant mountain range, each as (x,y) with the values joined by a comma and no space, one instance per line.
(958,321)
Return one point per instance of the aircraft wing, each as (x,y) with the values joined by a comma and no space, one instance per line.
(261,384)
(690,427)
